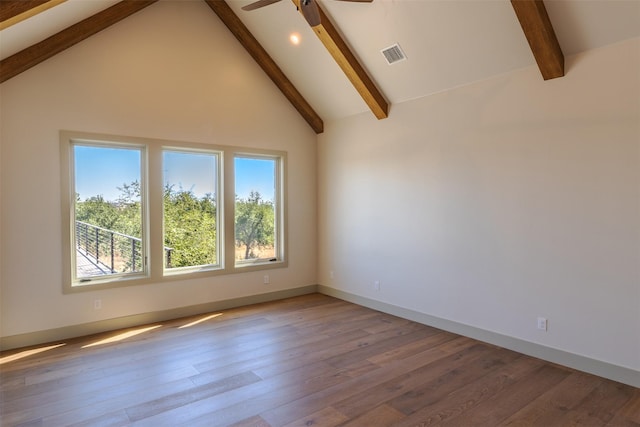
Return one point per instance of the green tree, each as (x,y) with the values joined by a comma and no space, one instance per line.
(189,228)
(255,223)
(130,209)
(97,211)
(124,215)
(189,221)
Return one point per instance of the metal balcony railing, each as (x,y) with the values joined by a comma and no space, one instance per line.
(117,252)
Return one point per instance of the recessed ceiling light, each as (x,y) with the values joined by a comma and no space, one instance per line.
(294,38)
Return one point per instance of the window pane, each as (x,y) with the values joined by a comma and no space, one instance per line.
(190,209)
(108,211)
(256,228)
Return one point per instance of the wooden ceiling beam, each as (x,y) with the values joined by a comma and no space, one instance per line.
(39,52)
(538,30)
(268,65)
(14,11)
(355,72)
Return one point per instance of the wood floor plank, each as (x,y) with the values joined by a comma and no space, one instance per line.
(409,349)
(629,412)
(235,405)
(272,360)
(473,394)
(172,358)
(112,419)
(176,400)
(382,415)
(308,360)
(63,411)
(321,351)
(600,406)
(8,388)
(376,344)
(344,323)
(32,423)
(369,399)
(554,404)
(327,417)
(291,383)
(256,421)
(455,378)
(61,393)
(501,405)
(300,407)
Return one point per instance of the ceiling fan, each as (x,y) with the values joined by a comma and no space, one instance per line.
(309,8)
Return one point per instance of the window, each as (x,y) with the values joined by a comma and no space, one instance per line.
(190,208)
(144,211)
(256,224)
(108,228)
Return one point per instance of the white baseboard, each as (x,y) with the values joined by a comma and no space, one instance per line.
(560,357)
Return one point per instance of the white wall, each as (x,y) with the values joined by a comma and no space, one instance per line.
(498,202)
(171,71)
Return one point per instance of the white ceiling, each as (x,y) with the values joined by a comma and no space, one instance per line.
(448,42)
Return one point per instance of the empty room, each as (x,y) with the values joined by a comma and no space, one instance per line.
(319,212)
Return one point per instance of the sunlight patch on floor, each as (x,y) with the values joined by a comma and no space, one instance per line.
(204,319)
(27,353)
(122,336)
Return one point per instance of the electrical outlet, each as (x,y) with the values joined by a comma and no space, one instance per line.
(266,279)
(97,304)
(331,274)
(376,285)
(542,323)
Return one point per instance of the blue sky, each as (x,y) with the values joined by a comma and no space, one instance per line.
(195,172)
(100,170)
(255,175)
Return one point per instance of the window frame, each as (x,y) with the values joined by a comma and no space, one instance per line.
(153,210)
(278,208)
(219,211)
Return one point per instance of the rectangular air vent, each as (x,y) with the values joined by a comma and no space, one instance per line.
(393,54)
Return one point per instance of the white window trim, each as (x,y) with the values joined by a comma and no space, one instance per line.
(153,211)
(278,206)
(117,277)
(220,206)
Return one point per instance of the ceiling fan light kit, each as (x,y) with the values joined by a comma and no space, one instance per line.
(309,8)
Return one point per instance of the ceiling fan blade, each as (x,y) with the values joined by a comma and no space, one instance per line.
(310,12)
(258,4)
(358,1)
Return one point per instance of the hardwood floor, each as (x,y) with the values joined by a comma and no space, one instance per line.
(310,360)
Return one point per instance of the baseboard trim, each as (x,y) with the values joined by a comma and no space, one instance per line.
(561,357)
(75,331)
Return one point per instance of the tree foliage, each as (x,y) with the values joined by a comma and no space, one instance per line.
(255,223)
(190,227)
(97,211)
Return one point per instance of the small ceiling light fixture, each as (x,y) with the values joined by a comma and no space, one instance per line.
(294,38)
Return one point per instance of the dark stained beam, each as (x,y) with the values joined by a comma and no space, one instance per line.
(537,27)
(14,11)
(355,72)
(39,52)
(268,65)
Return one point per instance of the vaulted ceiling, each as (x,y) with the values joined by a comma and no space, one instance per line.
(338,70)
